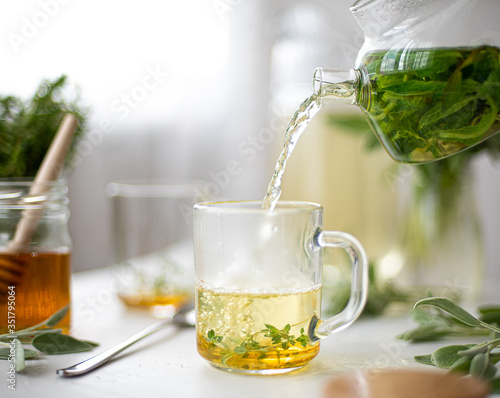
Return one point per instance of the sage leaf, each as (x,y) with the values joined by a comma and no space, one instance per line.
(494,334)
(28,336)
(481,366)
(462,365)
(15,352)
(490,315)
(488,309)
(57,343)
(474,350)
(424,359)
(19,356)
(51,321)
(425,318)
(57,317)
(92,343)
(445,357)
(415,87)
(453,91)
(451,308)
(4,352)
(28,354)
(494,357)
(424,333)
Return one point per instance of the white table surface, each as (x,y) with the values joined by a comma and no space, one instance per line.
(166,364)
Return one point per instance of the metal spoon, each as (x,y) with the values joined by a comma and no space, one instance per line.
(183,318)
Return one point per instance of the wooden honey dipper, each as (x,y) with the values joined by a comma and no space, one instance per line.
(11,271)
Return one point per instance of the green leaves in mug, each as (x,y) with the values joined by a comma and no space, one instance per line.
(280,339)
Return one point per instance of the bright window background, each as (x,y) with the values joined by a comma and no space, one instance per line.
(106,46)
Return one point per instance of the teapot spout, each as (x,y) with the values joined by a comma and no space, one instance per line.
(333,86)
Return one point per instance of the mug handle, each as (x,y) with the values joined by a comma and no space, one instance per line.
(319,328)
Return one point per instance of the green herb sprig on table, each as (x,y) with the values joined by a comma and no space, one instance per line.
(436,324)
(452,320)
(28,127)
(45,338)
(380,294)
(280,339)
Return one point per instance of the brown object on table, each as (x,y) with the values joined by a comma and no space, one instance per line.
(10,271)
(402,383)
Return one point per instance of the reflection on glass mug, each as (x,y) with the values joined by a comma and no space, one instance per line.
(258,284)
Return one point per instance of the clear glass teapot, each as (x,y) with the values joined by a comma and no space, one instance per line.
(427,76)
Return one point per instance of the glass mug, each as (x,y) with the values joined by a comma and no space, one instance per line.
(258,284)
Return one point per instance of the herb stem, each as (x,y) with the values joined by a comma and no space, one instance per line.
(491,327)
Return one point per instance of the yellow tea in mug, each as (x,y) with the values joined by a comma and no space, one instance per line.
(258,284)
(256,331)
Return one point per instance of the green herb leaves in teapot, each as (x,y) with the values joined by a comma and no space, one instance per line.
(430,103)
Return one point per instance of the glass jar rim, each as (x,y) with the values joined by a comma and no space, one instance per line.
(26,181)
(17,193)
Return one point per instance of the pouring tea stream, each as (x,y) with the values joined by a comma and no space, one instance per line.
(427,79)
